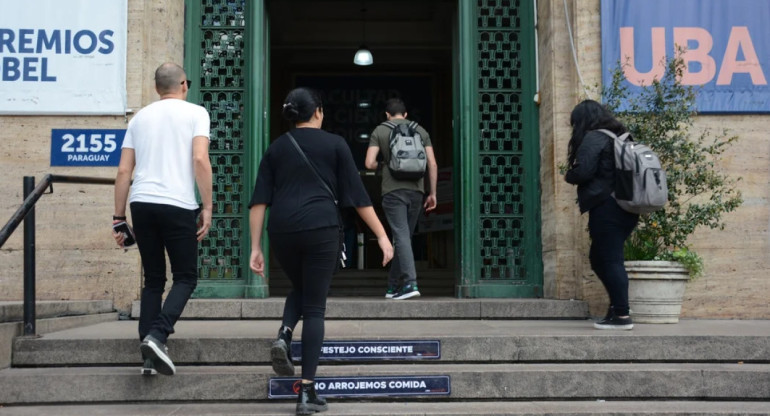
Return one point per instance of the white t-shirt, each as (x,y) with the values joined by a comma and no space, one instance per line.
(161,135)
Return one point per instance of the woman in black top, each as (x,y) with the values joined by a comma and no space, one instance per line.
(591,162)
(304,228)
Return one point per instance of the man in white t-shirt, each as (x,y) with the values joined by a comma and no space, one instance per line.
(166,150)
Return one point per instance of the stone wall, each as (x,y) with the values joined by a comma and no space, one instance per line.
(76,255)
(77,258)
(736,282)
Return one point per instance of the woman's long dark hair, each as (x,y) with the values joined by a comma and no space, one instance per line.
(300,104)
(586,116)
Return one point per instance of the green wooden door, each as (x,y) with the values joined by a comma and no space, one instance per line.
(497,149)
(225,44)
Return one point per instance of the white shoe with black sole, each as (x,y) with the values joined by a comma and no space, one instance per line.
(158,353)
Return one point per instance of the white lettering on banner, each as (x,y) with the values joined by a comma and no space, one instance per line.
(88,158)
(364,349)
(386,349)
(368,385)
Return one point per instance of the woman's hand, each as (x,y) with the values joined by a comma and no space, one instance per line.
(257,262)
(387,249)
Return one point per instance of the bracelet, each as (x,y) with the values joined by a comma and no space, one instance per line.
(117,218)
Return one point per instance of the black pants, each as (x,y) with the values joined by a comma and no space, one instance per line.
(160,228)
(609,227)
(309,259)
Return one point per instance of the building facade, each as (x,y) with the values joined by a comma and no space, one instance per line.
(494,81)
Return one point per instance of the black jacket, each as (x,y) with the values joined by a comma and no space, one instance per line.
(594,170)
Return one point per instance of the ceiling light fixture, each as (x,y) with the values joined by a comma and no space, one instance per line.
(363,56)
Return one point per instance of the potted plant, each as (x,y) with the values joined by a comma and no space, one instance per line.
(698,193)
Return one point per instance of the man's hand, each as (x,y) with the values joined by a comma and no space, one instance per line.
(204,223)
(430,203)
(387,249)
(119,237)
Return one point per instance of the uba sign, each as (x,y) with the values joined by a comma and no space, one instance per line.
(727,48)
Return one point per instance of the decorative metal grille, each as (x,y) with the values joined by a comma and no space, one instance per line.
(501,145)
(222,67)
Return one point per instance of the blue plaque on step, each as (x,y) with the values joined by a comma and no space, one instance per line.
(370,386)
(374,350)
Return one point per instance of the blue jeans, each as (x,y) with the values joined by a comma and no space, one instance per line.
(402,209)
(161,228)
(609,226)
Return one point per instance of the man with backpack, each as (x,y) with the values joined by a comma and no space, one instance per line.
(407,153)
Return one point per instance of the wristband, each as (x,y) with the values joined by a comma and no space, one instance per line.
(118,218)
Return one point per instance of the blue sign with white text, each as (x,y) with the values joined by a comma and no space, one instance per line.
(86,147)
(374,350)
(727,48)
(369,386)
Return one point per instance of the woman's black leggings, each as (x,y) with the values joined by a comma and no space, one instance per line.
(309,259)
(609,226)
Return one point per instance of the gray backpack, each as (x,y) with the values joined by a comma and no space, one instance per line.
(407,152)
(640,181)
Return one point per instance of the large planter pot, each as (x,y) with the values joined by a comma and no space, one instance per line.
(655,291)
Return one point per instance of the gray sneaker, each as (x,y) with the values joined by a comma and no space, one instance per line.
(157,352)
(148,369)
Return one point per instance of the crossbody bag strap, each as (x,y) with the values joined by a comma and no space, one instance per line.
(317,175)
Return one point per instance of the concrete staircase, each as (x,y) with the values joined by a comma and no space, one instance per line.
(500,357)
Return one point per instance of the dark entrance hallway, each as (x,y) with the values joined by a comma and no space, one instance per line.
(312,44)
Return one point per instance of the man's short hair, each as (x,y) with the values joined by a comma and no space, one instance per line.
(168,78)
(395,106)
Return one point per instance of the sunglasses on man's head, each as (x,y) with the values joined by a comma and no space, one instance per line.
(188,82)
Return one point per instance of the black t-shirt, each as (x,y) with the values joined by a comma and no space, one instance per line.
(296,198)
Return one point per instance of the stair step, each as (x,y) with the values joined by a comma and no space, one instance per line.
(336,408)
(411,408)
(11,311)
(485,341)
(381,308)
(468,381)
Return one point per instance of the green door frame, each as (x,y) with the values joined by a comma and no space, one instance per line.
(258,99)
(255,90)
(472,264)
(467,156)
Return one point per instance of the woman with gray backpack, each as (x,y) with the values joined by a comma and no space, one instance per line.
(591,163)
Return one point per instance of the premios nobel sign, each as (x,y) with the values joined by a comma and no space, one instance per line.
(63,57)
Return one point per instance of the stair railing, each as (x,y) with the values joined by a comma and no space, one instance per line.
(26,212)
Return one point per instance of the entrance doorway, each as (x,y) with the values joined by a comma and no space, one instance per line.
(312,44)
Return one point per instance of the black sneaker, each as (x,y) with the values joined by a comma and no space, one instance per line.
(157,352)
(406,292)
(614,322)
(148,369)
(392,290)
(280,353)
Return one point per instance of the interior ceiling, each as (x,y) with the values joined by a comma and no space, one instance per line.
(397,32)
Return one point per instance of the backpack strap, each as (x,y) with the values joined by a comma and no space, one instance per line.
(413,125)
(388,124)
(623,137)
(315,171)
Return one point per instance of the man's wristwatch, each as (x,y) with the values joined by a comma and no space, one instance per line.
(118,218)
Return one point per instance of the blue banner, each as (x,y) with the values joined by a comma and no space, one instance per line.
(374,350)
(86,147)
(371,386)
(727,45)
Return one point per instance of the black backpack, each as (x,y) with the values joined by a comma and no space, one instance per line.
(407,152)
